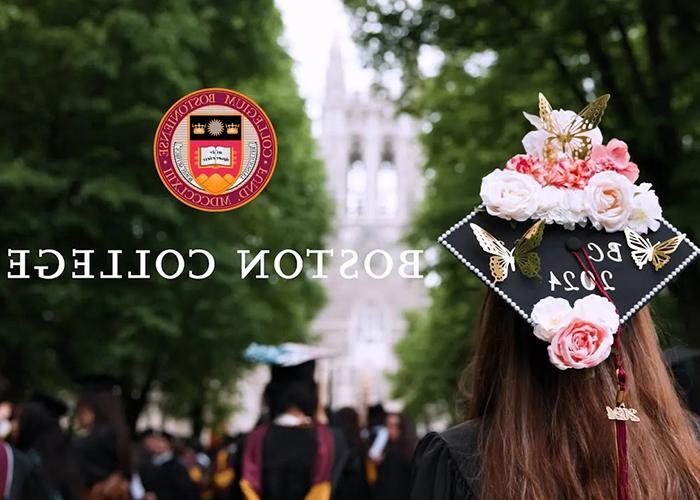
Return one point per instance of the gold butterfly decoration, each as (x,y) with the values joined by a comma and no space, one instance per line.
(643,251)
(572,138)
(523,255)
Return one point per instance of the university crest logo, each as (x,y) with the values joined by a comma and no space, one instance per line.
(215,150)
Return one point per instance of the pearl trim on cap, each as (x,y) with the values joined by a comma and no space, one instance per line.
(646,298)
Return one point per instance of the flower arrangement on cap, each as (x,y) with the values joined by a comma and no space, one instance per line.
(567,176)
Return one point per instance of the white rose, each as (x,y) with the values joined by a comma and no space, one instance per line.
(565,207)
(646,210)
(597,310)
(510,195)
(609,198)
(550,200)
(574,209)
(533,142)
(550,315)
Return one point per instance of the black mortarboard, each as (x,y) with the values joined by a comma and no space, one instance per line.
(567,220)
(98,383)
(55,406)
(304,371)
(680,354)
(151,432)
(288,361)
(560,274)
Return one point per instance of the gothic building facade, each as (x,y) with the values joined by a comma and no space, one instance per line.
(372,160)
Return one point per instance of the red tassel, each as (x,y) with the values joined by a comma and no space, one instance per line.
(620,425)
(622,467)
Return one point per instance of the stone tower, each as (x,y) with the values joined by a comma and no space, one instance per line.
(372,160)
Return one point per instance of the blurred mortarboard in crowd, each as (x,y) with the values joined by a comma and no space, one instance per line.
(681,361)
(55,406)
(5,387)
(98,383)
(289,361)
(679,354)
(375,414)
(151,432)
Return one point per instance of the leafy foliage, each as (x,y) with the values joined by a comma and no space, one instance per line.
(497,56)
(82,89)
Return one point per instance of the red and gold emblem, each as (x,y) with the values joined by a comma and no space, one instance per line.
(215,150)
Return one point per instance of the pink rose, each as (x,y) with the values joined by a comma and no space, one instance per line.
(615,151)
(581,344)
(615,156)
(631,171)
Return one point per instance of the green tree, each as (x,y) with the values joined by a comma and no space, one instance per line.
(82,88)
(497,56)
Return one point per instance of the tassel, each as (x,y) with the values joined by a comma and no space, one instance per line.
(622,467)
(621,413)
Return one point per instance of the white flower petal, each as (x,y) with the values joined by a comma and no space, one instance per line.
(510,195)
(550,315)
(598,310)
(609,200)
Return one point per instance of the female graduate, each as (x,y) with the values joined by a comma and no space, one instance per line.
(569,395)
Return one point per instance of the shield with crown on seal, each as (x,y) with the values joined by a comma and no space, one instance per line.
(215,150)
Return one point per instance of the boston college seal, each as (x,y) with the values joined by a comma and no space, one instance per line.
(215,150)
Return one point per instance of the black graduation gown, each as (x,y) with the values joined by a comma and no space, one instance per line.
(350,478)
(27,483)
(289,456)
(446,465)
(169,480)
(393,475)
(97,454)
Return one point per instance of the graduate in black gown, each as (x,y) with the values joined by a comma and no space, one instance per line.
(352,462)
(569,396)
(290,456)
(20,475)
(38,433)
(394,467)
(161,472)
(102,445)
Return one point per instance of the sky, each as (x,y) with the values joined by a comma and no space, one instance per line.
(311,27)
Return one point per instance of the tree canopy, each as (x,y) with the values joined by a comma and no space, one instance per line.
(82,88)
(496,57)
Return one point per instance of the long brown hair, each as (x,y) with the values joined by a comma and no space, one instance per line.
(545,432)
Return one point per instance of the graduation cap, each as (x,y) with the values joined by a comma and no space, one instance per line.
(569,239)
(98,383)
(287,361)
(53,405)
(545,267)
(566,225)
(151,432)
(292,368)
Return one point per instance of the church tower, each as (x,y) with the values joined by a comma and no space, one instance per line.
(372,160)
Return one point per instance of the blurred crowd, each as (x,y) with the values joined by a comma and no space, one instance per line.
(50,453)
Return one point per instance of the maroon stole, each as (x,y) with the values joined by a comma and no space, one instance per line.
(251,475)
(6,469)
